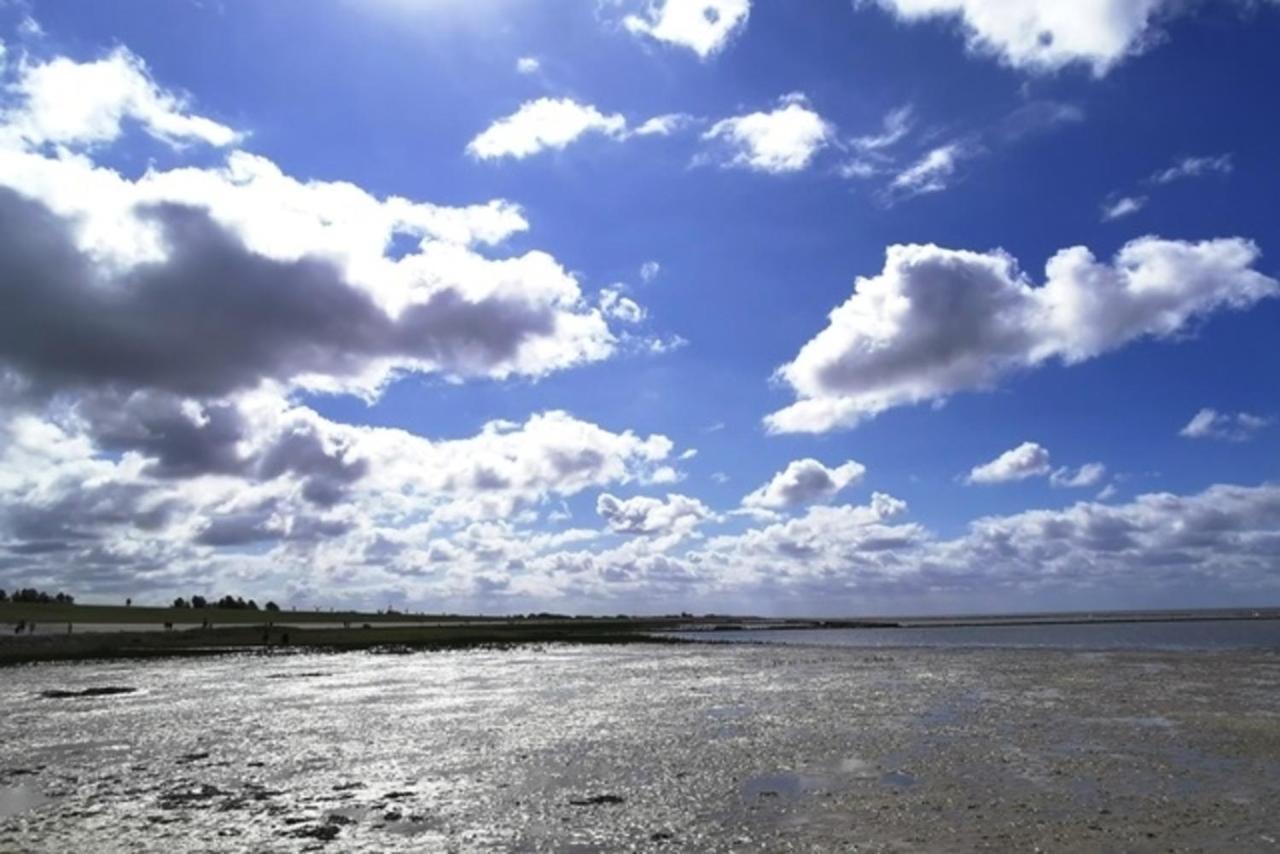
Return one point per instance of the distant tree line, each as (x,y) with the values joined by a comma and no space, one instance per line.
(233,603)
(29,595)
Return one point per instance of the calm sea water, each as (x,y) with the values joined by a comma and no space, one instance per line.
(1173,635)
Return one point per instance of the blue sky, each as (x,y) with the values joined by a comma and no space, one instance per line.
(273,268)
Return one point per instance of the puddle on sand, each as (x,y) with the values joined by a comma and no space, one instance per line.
(15,800)
(898,779)
(790,784)
(777,785)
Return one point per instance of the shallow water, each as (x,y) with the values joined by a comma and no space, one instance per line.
(1173,635)
(644,748)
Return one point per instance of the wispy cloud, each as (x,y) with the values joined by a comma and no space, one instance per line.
(1122,207)
(1194,167)
(1228,426)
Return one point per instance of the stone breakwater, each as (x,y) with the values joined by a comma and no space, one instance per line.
(645,748)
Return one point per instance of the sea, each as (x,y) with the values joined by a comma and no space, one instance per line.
(1171,635)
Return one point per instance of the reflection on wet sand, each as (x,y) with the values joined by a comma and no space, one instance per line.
(645,748)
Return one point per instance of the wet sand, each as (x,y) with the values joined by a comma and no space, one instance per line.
(707,748)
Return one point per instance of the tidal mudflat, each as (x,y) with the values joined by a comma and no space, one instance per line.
(684,748)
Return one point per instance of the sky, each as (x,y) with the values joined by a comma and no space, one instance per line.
(847,307)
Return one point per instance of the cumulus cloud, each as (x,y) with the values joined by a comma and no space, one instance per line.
(1122,207)
(166,475)
(159,330)
(1233,427)
(1223,536)
(703,26)
(528,65)
(98,525)
(546,123)
(129,280)
(649,271)
(782,140)
(214,317)
(804,482)
(63,102)
(1194,167)
(1030,459)
(645,516)
(844,544)
(936,321)
(1044,35)
(1027,460)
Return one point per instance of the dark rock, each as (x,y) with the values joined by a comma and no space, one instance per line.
(105,691)
(597,800)
(323,832)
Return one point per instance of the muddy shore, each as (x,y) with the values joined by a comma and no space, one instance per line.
(637,748)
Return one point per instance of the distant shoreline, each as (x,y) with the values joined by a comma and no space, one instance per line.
(341,632)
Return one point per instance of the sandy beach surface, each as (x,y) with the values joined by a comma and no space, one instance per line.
(646,748)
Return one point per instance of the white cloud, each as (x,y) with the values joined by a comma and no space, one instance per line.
(442,522)
(846,545)
(649,271)
(474,315)
(1044,35)
(618,307)
(677,515)
(664,125)
(1027,460)
(528,65)
(932,173)
(64,102)
(783,140)
(1123,207)
(546,123)
(445,309)
(1233,427)
(804,482)
(1089,474)
(703,26)
(1194,167)
(1031,459)
(897,124)
(936,321)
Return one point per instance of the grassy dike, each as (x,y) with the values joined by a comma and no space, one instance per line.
(247,638)
(233,630)
(12,612)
